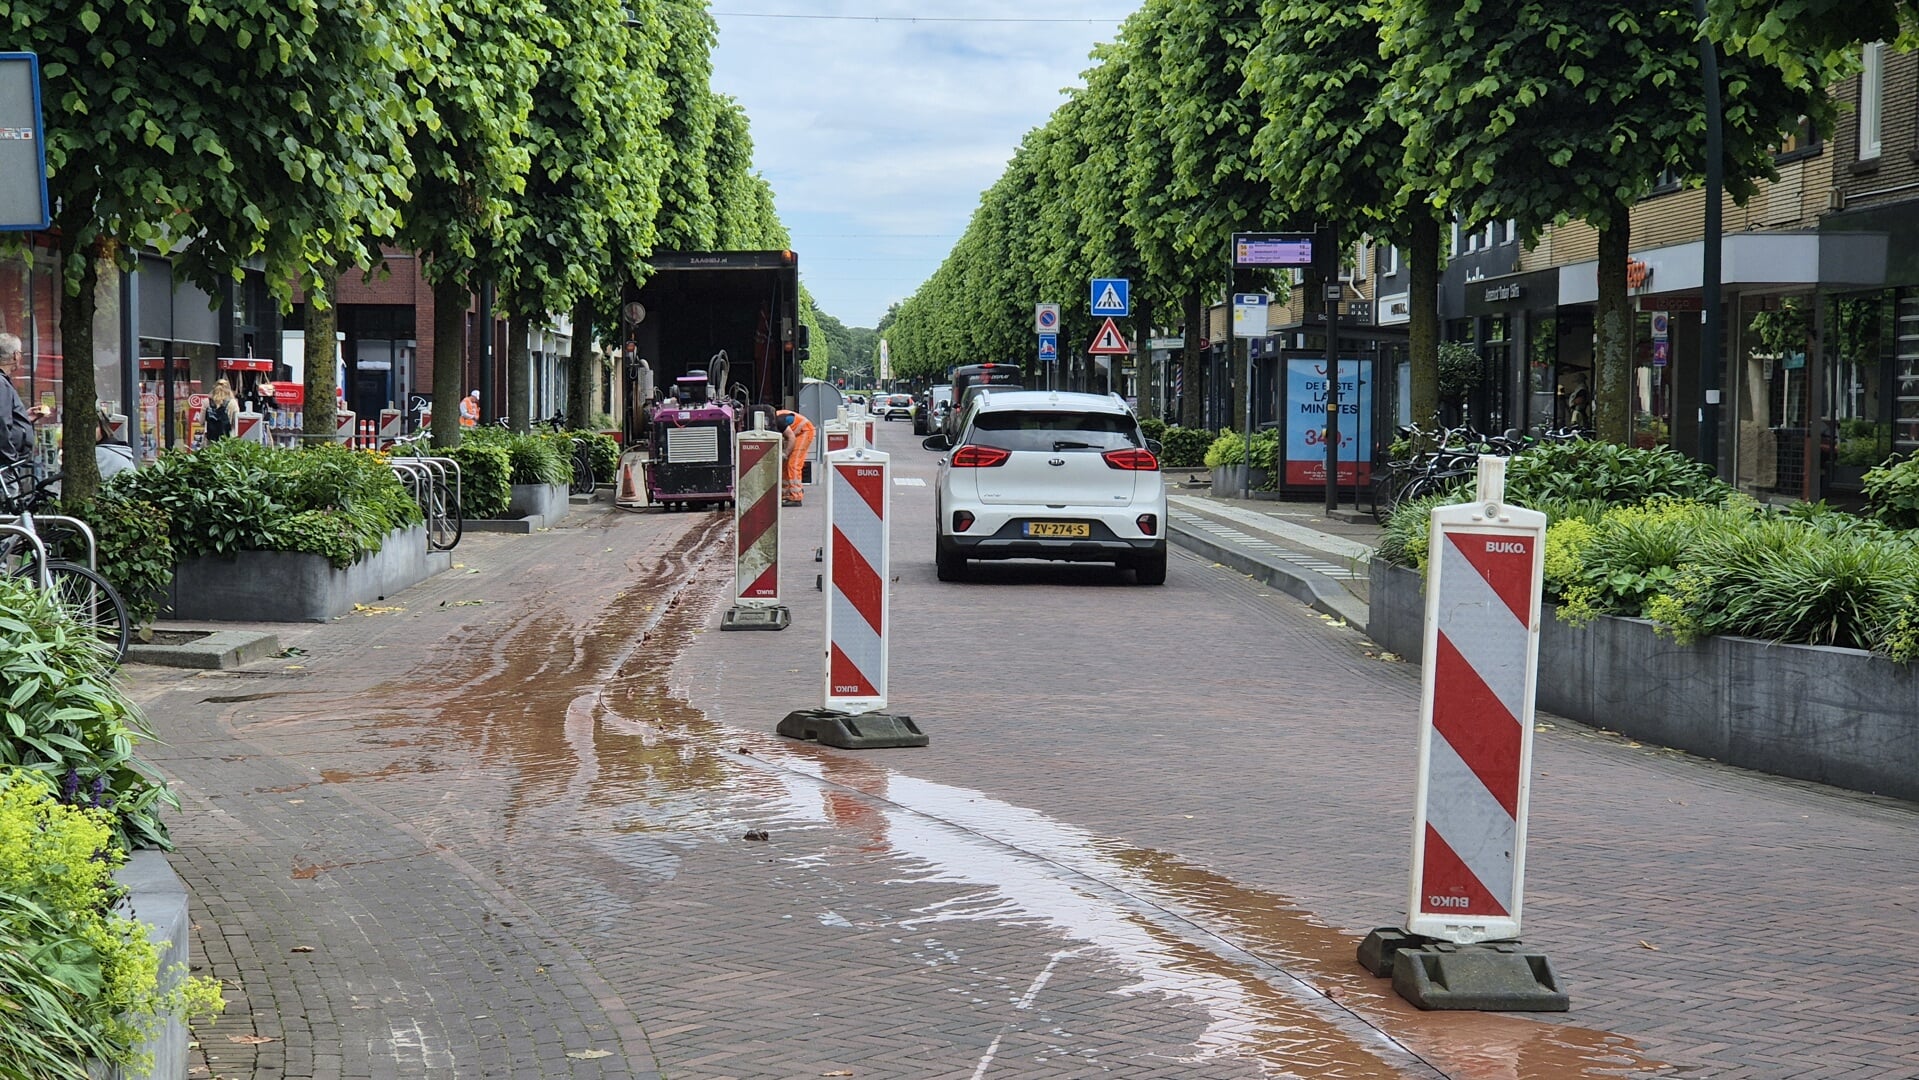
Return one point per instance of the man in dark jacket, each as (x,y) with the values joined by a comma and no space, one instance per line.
(16,416)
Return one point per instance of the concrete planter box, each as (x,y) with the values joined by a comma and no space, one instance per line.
(545,502)
(1833,716)
(294,586)
(158,898)
(1231,479)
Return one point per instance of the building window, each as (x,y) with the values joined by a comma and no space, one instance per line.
(1510,231)
(1455,246)
(1802,142)
(1871,94)
(1392,261)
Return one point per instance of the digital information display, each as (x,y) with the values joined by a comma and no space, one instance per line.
(1254,250)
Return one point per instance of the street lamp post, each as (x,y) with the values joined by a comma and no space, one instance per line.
(1710,268)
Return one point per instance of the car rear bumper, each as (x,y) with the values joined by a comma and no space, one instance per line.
(1103,545)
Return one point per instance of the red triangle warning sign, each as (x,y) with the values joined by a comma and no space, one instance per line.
(1109,341)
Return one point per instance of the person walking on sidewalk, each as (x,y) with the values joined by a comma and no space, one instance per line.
(223,412)
(798,432)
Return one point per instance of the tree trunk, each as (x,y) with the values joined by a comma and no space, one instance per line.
(583,370)
(449,359)
(1422,328)
(519,376)
(79,403)
(1191,415)
(1144,382)
(322,323)
(1612,332)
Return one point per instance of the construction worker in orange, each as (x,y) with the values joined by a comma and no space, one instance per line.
(470,410)
(798,432)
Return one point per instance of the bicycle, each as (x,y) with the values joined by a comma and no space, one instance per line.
(580,456)
(25,552)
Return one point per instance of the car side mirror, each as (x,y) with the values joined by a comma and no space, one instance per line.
(1155,447)
(937,442)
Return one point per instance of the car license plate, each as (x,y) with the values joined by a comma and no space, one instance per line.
(1058,528)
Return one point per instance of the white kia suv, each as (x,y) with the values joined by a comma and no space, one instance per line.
(1038,474)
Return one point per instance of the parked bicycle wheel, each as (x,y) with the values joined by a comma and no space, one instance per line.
(94,603)
(1387,487)
(582,469)
(443,514)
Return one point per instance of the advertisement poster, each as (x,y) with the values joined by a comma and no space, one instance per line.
(1306,387)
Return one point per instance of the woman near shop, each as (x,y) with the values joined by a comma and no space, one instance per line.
(223,412)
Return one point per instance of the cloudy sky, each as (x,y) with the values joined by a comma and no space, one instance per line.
(879,122)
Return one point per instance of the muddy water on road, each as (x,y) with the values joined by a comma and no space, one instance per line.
(589,751)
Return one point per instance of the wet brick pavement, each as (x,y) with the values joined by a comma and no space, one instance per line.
(1147,828)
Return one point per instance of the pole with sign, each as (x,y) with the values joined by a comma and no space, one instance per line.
(1483,588)
(1261,251)
(1249,322)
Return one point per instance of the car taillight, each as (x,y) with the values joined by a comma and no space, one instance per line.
(962,520)
(1133,459)
(1148,524)
(979,457)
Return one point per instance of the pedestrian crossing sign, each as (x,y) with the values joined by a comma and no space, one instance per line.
(1109,341)
(1112,297)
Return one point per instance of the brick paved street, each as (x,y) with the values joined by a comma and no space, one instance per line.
(1148,827)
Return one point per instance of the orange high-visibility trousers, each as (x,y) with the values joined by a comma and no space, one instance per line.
(799,437)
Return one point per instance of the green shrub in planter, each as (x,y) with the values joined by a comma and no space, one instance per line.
(1621,475)
(1185,448)
(1892,493)
(66,718)
(533,458)
(134,554)
(1229,448)
(237,495)
(1153,428)
(605,452)
(486,478)
(80,982)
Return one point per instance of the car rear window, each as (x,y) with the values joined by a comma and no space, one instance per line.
(1054,432)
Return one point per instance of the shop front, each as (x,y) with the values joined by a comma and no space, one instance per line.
(1528,381)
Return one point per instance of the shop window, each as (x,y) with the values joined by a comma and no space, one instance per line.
(1871,98)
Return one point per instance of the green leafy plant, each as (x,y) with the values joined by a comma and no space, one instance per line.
(486,478)
(237,495)
(1609,472)
(604,450)
(1892,493)
(1153,428)
(78,981)
(135,553)
(66,718)
(1460,370)
(531,458)
(1229,448)
(1185,448)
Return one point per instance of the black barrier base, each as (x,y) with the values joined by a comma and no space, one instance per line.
(756,618)
(1491,978)
(865,731)
(1376,952)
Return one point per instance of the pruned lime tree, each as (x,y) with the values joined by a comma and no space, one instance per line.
(469,165)
(597,154)
(275,134)
(1333,132)
(1543,112)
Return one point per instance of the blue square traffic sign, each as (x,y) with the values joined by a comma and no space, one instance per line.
(1112,297)
(1048,348)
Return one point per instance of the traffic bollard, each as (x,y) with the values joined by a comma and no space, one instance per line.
(756,533)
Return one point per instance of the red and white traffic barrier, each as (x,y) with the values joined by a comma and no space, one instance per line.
(345,426)
(756,534)
(392,427)
(858,568)
(252,427)
(1483,592)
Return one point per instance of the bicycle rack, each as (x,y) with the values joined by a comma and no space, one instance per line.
(17,522)
(39,548)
